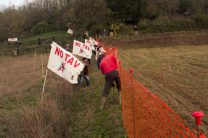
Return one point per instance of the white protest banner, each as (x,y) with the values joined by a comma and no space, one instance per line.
(88,42)
(70,31)
(12,39)
(93,42)
(81,49)
(64,64)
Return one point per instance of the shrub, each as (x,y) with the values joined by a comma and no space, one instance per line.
(201,22)
(41,27)
(173,24)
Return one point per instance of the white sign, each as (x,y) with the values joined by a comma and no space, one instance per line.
(12,39)
(70,31)
(91,44)
(64,64)
(81,49)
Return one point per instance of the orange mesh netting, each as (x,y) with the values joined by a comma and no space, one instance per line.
(144,114)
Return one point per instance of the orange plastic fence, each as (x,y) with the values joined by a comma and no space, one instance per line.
(144,114)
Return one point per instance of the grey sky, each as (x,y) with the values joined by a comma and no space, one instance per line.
(6,3)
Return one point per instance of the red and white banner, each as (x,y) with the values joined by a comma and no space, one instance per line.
(12,39)
(64,64)
(70,31)
(91,44)
(81,49)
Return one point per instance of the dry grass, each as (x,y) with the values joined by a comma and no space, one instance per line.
(17,74)
(66,111)
(177,73)
(22,114)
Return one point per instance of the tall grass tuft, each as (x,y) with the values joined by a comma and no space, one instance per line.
(47,119)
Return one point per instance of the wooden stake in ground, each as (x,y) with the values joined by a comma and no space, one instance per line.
(44,83)
(2,51)
(35,58)
(42,74)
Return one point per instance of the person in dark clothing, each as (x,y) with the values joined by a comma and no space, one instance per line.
(39,41)
(136,29)
(108,66)
(84,73)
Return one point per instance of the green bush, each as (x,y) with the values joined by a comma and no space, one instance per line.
(95,28)
(41,27)
(125,29)
(201,22)
(173,24)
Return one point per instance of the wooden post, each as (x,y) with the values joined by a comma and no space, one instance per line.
(35,58)
(42,74)
(2,51)
(43,91)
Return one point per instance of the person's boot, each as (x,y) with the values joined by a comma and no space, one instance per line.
(119,98)
(102,104)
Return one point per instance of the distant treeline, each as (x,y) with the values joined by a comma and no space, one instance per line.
(42,16)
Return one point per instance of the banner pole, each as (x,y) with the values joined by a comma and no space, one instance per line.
(43,91)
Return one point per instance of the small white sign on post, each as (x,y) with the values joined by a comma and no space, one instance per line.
(64,64)
(90,43)
(93,42)
(12,39)
(70,31)
(81,49)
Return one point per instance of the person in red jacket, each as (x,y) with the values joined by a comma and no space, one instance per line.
(109,67)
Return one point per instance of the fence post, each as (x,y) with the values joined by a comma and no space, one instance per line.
(132,103)
(198,116)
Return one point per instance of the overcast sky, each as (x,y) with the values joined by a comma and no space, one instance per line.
(6,3)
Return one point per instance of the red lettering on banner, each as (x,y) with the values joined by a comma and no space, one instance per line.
(67,57)
(76,64)
(85,47)
(78,44)
(59,52)
(71,60)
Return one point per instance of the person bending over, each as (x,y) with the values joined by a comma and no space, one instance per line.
(109,67)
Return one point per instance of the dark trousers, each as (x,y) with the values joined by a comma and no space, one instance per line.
(84,77)
(109,81)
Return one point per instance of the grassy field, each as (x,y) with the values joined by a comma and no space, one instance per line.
(66,111)
(174,67)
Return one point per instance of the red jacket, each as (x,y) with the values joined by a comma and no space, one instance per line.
(108,64)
